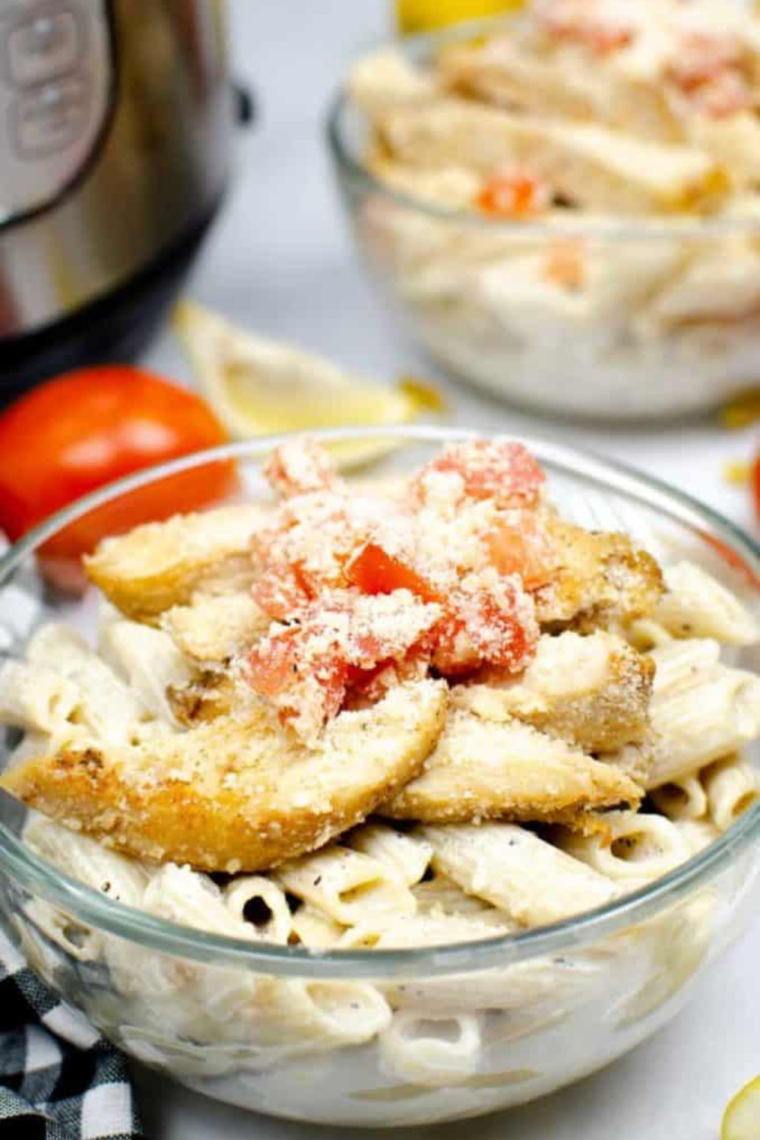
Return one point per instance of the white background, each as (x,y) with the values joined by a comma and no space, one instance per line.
(280,260)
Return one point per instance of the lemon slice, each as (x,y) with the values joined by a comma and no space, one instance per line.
(426,15)
(259,386)
(741,1120)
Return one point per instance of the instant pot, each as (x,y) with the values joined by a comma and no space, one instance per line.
(116,122)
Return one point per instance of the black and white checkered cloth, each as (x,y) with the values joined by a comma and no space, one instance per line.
(59,1080)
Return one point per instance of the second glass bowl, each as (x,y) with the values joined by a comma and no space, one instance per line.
(606,318)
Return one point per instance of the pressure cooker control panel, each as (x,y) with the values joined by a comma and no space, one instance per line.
(56,80)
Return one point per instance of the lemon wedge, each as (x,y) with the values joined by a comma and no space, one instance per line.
(741,1120)
(259,386)
(426,15)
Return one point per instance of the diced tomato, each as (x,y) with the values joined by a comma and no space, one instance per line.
(606,38)
(576,21)
(701,58)
(300,466)
(709,69)
(494,626)
(521,547)
(339,636)
(374,571)
(278,593)
(278,588)
(310,543)
(272,663)
(512,195)
(500,470)
(726,95)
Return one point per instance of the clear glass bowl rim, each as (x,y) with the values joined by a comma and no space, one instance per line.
(353,170)
(84,904)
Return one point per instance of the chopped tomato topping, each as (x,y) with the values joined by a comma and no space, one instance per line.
(709,70)
(500,470)
(491,625)
(520,546)
(701,58)
(512,195)
(577,21)
(305,669)
(271,670)
(278,592)
(371,590)
(300,466)
(305,550)
(373,571)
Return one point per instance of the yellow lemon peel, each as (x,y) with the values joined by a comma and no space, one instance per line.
(259,386)
(426,15)
(741,1120)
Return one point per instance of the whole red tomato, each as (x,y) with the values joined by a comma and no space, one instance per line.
(82,430)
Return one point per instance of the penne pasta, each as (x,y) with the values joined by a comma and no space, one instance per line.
(36,698)
(696,833)
(261,904)
(186,896)
(148,661)
(431,1048)
(122,879)
(350,887)
(407,858)
(683,799)
(638,848)
(441,895)
(700,712)
(731,787)
(314,928)
(432,929)
(696,605)
(645,633)
(514,870)
(105,706)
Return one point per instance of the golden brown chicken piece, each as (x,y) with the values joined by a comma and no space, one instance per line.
(484,769)
(240,793)
(601,578)
(159,565)
(213,628)
(592,691)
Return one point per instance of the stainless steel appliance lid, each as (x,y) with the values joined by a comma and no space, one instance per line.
(120,175)
(57,81)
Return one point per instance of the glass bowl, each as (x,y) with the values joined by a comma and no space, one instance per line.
(600,317)
(363,1038)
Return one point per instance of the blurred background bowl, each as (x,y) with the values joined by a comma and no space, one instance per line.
(603,317)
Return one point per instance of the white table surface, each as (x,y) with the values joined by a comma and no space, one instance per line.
(279,260)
